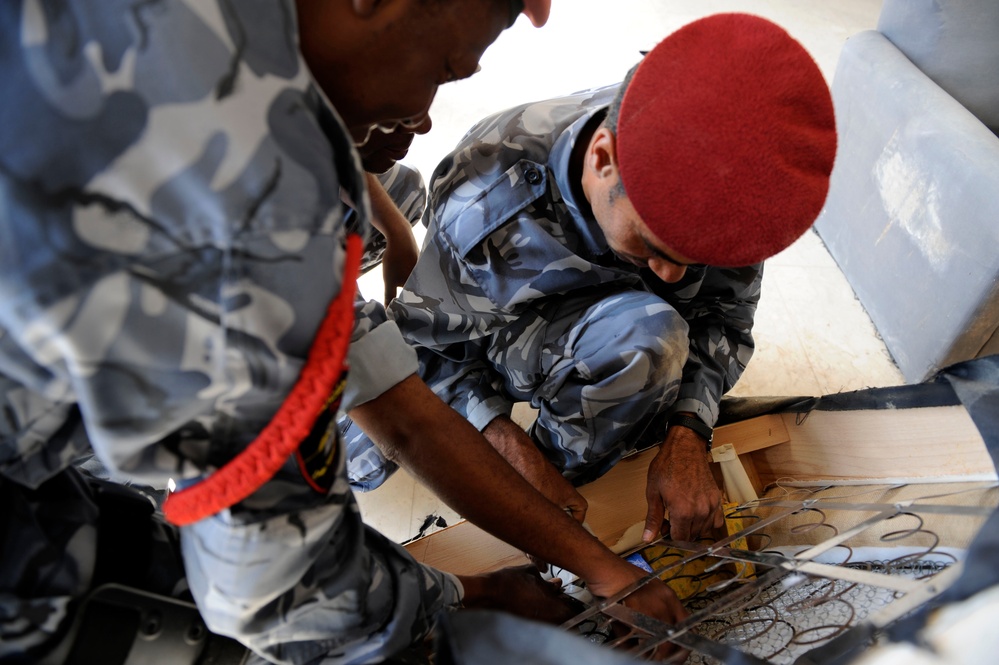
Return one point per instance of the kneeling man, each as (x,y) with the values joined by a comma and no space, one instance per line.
(600,257)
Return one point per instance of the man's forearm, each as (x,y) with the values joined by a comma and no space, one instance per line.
(517,448)
(513,443)
(414,428)
(386,216)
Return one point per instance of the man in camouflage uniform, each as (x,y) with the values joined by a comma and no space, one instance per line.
(540,283)
(172,189)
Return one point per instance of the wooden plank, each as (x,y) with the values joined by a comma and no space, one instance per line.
(616,504)
(749,464)
(753,434)
(936,444)
(465,549)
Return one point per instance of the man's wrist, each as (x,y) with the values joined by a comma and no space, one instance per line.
(692,423)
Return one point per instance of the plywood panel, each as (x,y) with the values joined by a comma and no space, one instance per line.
(937,444)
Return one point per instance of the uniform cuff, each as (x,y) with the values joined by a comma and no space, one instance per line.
(698,408)
(488,410)
(378,360)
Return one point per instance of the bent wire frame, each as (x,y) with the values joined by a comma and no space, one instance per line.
(766,604)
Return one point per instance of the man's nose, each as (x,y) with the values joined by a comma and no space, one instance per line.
(417,124)
(667,271)
(424,126)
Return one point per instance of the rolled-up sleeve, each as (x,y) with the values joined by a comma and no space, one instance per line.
(379,357)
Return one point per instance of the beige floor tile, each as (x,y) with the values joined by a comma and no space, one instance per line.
(779,365)
(808,251)
(844,350)
(401,507)
(389,509)
(523,414)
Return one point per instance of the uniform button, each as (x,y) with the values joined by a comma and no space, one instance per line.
(533,176)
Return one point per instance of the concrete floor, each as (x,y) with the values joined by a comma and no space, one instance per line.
(812,335)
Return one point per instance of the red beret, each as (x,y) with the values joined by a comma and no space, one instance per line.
(725,140)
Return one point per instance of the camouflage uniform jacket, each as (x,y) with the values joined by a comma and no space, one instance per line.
(171,234)
(506,230)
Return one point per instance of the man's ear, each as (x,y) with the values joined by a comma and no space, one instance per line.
(601,156)
(364,8)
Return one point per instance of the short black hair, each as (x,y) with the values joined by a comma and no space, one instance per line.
(614,110)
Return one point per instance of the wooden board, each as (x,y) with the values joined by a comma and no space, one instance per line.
(616,503)
(465,549)
(936,444)
(753,434)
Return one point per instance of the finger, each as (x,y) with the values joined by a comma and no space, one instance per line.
(719,517)
(697,526)
(707,520)
(653,518)
(680,528)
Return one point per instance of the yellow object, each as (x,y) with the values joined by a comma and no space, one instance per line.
(700,575)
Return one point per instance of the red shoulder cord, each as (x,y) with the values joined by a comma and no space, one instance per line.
(260,460)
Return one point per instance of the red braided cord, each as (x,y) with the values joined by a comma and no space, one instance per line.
(260,460)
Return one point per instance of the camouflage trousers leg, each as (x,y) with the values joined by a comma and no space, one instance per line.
(598,369)
(367,467)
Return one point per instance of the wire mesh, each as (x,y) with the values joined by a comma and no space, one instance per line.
(795,572)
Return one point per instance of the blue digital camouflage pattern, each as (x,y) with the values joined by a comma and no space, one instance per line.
(517,297)
(171,233)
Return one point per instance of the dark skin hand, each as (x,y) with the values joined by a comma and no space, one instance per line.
(680,481)
(520,591)
(516,446)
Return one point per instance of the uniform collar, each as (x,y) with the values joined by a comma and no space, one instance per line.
(561,152)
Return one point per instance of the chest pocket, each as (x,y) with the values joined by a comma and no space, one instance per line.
(518,187)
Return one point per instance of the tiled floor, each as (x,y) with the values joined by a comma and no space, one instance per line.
(812,335)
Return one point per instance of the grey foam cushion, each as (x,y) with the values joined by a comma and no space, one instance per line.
(955,43)
(912,208)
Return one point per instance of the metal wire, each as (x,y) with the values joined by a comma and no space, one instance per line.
(773,603)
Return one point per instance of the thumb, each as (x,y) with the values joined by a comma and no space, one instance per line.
(654,518)
(719,517)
